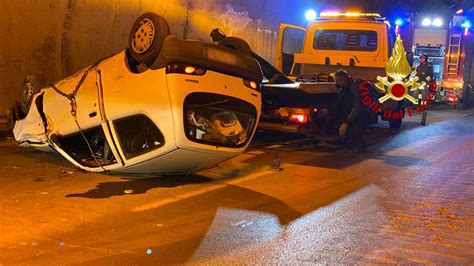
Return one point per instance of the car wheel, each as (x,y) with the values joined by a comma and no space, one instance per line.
(237,44)
(395,123)
(146,38)
(31,86)
(11,119)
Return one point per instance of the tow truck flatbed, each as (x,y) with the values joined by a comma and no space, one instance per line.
(307,87)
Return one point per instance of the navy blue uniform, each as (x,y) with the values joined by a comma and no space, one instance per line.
(353,112)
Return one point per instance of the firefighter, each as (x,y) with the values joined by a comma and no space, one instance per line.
(424,72)
(352,114)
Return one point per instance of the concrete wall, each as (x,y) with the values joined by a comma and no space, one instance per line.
(58,37)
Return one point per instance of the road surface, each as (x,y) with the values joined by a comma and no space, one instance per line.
(409,200)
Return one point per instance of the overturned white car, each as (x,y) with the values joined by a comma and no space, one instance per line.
(163,105)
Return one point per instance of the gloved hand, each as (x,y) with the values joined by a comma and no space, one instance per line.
(343,129)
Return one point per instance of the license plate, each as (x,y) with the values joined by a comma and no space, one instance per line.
(221,56)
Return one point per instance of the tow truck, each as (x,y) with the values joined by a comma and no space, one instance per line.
(359,43)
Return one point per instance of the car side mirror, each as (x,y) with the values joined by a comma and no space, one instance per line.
(410,58)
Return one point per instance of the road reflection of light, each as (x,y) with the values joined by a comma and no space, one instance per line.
(234,230)
(324,234)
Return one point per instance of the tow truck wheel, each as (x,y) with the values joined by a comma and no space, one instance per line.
(237,44)
(395,123)
(146,38)
(31,86)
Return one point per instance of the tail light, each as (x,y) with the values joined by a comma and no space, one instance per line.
(452,98)
(189,70)
(252,84)
(179,68)
(299,118)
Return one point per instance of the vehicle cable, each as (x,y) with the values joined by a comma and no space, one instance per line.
(72,100)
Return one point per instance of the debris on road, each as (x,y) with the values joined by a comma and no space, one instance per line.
(276,163)
(67,172)
(11,167)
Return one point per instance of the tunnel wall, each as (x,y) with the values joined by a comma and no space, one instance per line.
(56,38)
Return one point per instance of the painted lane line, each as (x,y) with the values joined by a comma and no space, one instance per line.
(204,190)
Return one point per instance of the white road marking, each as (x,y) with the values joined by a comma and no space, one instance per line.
(166,201)
(160,203)
(274,146)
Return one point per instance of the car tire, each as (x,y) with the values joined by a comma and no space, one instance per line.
(237,44)
(146,38)
(395,123)
(11,119)
(31,86)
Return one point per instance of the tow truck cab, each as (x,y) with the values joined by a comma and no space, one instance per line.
(359,43)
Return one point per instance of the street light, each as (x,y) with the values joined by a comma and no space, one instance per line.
(466,25)
(437,22)
(310,15)
(426,22)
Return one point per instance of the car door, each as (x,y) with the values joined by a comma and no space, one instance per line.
(290,42)
(85,137)
(138,110)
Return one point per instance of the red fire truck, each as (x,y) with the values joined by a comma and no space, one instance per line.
(449,44)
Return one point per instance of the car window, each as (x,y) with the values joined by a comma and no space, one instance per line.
(138,135)
(345,40)
(218,120)
(292,41)
(89,148)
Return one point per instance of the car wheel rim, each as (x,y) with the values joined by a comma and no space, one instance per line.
(144,36)
(28,92)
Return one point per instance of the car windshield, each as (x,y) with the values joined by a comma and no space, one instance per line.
(345,40)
